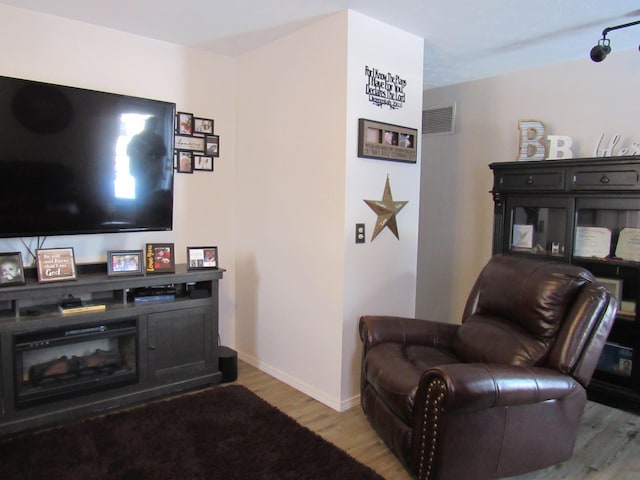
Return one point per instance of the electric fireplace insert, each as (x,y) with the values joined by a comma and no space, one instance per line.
(70,361)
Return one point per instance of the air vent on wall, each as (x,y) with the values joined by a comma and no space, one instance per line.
(439,120)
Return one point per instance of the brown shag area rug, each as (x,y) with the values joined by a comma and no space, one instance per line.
(224,433)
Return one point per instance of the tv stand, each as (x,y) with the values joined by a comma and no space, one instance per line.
(58,366)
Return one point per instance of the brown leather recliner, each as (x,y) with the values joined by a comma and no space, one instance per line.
(502,393)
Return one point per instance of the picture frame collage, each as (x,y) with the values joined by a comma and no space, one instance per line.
(196,145)
(384,141)
(58,264)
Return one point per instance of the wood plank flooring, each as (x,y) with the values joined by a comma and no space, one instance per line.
(608,445)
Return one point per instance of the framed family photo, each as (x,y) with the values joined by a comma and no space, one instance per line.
(212,145)
(184,123)
(385,141)
(11,269)
(203,162)
(55,264)
(202,126)
(184,162)
(160,258)
(202,257)
(124,262)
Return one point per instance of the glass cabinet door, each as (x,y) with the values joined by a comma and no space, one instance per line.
(607,230)
(537,226)
(607,242)
(619,356)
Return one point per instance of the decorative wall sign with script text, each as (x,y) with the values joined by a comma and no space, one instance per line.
(385,88)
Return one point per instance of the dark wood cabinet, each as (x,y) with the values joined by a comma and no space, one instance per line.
(586,212)
(58,367)
(180,344)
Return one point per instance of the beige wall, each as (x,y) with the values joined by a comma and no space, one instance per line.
(580,99)
(290,206)
(302,283)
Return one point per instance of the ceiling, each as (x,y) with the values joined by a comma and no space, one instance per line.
(464,39)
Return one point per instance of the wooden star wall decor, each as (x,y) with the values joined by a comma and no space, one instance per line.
(386,209)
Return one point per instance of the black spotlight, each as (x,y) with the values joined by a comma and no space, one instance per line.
(600,51)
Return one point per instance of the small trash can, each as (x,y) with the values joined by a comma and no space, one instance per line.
(228,364)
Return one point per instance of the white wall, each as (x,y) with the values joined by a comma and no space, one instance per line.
(302,282)
(380,275)
(290,208)
(52,49)
(580,99)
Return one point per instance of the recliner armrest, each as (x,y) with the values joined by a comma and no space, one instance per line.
(478,386)
(376,329)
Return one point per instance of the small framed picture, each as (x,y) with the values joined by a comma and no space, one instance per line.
(613,285)
(11,269)
(160,258)
(202,126)
(184,123)
(202,257)
(55,264)
(124,262)
(185,162)
(212,145)
(203,162)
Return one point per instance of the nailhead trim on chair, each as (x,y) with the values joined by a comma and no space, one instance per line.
(435,396)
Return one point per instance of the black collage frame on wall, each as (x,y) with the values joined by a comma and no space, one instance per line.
(196,145)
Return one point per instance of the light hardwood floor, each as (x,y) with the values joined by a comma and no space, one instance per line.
(608,446)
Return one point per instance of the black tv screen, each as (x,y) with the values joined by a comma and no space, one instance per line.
(77,161)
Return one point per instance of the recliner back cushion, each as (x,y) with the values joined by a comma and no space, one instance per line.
(490,339)
(519,307)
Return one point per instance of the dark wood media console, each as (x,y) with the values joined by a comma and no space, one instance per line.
(57,367)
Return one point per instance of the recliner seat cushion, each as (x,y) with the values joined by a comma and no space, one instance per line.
(394,371)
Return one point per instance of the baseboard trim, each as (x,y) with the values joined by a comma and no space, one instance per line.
(336,404)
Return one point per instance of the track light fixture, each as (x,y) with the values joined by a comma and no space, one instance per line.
(603,48)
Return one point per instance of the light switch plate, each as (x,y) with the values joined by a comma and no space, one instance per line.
(360,238)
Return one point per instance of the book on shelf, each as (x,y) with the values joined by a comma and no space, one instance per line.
(83,308)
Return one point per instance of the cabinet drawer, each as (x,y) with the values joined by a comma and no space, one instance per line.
(599,178)
(538,180)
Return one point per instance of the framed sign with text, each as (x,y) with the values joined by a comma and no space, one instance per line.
(55,264)
(387,142)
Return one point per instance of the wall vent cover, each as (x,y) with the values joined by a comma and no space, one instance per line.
(439,120)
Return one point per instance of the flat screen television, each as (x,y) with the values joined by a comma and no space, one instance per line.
(77,161)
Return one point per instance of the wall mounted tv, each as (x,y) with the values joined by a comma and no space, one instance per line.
(76,161)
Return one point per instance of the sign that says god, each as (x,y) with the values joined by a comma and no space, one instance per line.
(535,144)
